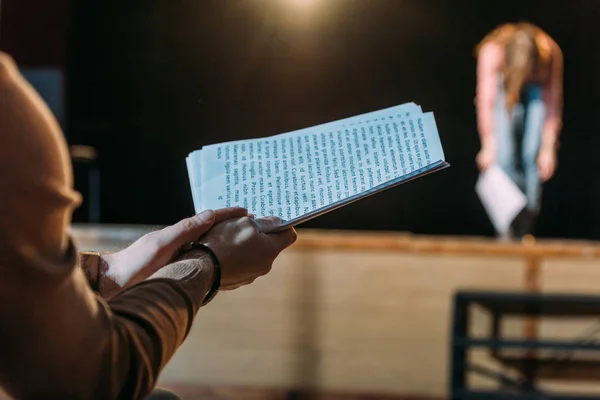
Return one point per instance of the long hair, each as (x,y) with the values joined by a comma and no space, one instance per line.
(523,56)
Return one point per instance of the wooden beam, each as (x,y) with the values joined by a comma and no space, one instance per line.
(317,239)
(405,242)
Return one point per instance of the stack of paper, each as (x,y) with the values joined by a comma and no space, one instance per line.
(501,198)
(302,174)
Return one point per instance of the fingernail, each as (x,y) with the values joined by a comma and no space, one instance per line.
(206,215)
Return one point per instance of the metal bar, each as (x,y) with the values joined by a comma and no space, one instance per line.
(524,344)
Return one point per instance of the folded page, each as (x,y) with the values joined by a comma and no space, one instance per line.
(501,198)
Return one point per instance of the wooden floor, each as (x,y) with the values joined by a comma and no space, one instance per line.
(187,392)
(198,393)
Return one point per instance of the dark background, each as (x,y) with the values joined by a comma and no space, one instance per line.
(150,81)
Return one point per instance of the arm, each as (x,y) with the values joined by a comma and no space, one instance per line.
(73,343)
(488,65)
(553,97)
(60,339)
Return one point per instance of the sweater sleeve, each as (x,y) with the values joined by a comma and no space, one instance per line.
(90,265)
(553,97)
(489,62)
(61,340)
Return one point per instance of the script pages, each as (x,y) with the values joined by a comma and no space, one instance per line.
(501,198)
(302,174)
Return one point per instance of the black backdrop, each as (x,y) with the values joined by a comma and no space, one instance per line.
(150,81)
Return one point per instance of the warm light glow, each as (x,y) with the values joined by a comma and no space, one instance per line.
(305,16)
(302,3)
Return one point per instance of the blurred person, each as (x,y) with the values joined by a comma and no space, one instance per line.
(519,103)
(82,325)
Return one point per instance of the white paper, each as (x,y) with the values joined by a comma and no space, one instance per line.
(300,174)
(194,167)
(501,198)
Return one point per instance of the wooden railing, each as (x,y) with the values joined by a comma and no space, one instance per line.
(398,241)
(530,250)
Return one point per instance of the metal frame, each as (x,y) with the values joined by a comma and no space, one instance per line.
(503,304)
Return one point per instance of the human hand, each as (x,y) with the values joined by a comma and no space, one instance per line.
(156,249)
(546,161)
(485,158)
(244,249)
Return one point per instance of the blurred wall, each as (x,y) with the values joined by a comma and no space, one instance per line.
(366,322)
(35,32)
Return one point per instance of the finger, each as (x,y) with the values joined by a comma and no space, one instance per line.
(224,214)
(267,224)
(282,240)
(188,229)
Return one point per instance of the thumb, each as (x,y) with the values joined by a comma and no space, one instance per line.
(268,223)
(188,229)
(282,240)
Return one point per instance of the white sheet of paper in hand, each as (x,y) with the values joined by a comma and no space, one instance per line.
(198,174)
(303,174)
(501,198)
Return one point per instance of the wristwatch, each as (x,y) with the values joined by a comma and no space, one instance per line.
(217,271)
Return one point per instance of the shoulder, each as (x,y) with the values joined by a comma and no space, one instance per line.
(549,48)
(7,64)
(491,53)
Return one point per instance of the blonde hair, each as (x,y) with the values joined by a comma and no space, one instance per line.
(524,56)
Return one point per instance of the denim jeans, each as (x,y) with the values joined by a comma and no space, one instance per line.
(518,136)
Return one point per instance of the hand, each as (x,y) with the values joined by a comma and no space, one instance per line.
(244,249)
(157,249)
(485,158)
(546,163)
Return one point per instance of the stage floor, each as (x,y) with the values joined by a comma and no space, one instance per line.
(200,393)
(187,392)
